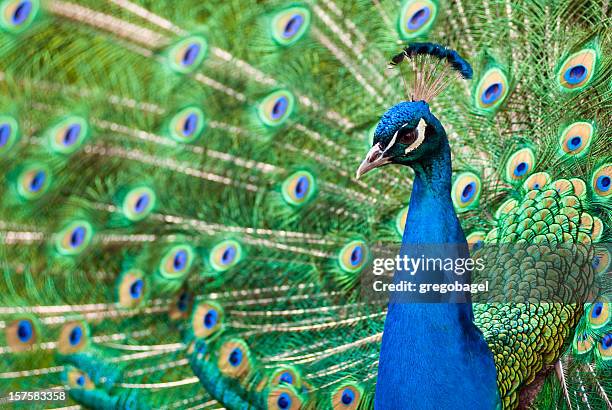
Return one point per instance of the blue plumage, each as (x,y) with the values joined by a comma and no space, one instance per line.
(411,328)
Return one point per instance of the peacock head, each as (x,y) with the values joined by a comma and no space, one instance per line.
(408,133)
(405,134)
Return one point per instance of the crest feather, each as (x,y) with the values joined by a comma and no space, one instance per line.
(432,65)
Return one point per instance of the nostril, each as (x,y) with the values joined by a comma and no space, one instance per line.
(374,153)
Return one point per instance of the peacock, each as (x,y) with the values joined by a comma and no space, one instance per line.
(185,223)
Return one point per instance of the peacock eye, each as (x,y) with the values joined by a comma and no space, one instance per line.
(576,138)
(346,397)
(353,256)
(299,188)
(74,336)
(234,358)
(466,191)
(604,347)
(69,134)
(207,318)
(602,180)
(225,255)
(276,108)
(176,262)
(33,181)
(601,261)
(289,25)
(187,125)
(16,15)
(286,378)
(74,238)
(284,398)
(186,55)
(9,133)
(21,334)
(284,401)
(599,313)
(79,380)
(286,375)
(416,18)
(138,203)
(131,287)
(519,165)
(492,89)
(475,240)
(577,70)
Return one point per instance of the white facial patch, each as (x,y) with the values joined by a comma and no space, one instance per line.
(391,142)
(420,137)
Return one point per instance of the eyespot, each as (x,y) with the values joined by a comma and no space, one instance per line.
(21,334)
(181,305)
(299,188)
(176,262)
(17,15)
(74,238)
(492,89)
(577,70)
(505,208)
(520,165)
(416,18)
(466,191)
(131,285)
(601,181)
(138,203)
(33,181)
(225,255)
(187,125)
(582,343)
(284,398)
(400,220)
(187,55)
(276,108)
(183,302)
(290,25)
(286,375)
(78,379)
(234,358)
(353,256)
(68,134)
(538,181)
(576,138)
(604,347)
(601,260)
(599,313)
(73,338)
(207,318)
(346,397)
(9,133)
(476,240)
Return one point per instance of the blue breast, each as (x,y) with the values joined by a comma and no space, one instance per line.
(432,355)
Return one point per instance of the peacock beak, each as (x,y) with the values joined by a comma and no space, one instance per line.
(374,159)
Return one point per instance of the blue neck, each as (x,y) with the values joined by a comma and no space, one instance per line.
(431,216)
(432,355)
